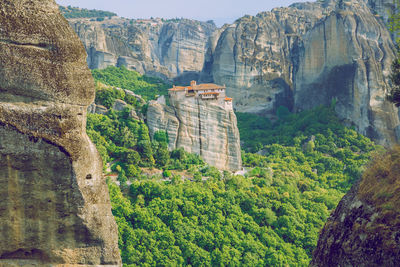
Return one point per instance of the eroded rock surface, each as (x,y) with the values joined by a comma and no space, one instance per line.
(55,208)
(165,49)
(310,54)
(347,56)
(206,128)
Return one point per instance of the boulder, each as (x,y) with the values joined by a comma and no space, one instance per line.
(119,105)
(101,110)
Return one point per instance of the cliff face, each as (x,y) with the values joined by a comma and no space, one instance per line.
(55,207)
(364,230)
(166,49)
(253,57)
(299,56)
(311,54)
(206,128)
(346,57)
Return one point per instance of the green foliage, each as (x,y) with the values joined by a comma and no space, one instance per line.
(75,12)
(125,140)
(269,217)
(211,223)
(106,96)
(161,137)
(394,94)
(394,20)
(147,87)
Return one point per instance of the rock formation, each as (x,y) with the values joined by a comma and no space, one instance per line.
(204,127)
(346,57)
(364,230)
(55,209)
(310,54)
(165,49)
(299,57)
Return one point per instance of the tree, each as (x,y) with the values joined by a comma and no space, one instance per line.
(161,156)
(131,157)
(161,136)
(394,94)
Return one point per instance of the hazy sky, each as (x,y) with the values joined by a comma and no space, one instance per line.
(218,10)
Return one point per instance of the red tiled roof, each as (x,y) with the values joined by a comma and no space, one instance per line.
(204,86)
(228,99)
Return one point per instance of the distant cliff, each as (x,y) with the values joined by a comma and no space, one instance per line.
(310,54)
(299,57)
(205,127)
(364,230)
(55,208)
(163,48)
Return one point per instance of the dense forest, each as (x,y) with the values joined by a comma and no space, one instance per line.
(298,166)
(75,12)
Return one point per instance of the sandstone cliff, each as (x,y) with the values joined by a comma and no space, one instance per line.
(310,54)
(55,208)
(206,128)
(364,230)
(166,49)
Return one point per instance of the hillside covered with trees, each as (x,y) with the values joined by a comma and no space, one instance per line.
(269,216)
(75,12)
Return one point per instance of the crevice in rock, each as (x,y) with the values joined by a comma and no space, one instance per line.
(179,127)
(42,46)
(199,118)
(26,254)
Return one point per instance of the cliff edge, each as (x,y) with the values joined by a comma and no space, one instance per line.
(55,208)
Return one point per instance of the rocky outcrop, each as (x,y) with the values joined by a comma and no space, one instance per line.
(347,56)
(310,54)
(165,49)
(55,208)
(364,230)
(254,58)
(202,127)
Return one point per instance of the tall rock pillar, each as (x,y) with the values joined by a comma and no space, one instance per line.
(54,208)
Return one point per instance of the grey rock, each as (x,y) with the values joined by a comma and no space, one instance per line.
(91,108)
(138,97)
(101,109)
(306,55)
(201,127)
(134,115)
(164,49)
(119,105)
(55,207)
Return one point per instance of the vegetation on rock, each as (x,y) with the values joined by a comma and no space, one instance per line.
(75,12)
(380,183)
(147,87)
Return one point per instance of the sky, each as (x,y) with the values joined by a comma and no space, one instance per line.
(221,11)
